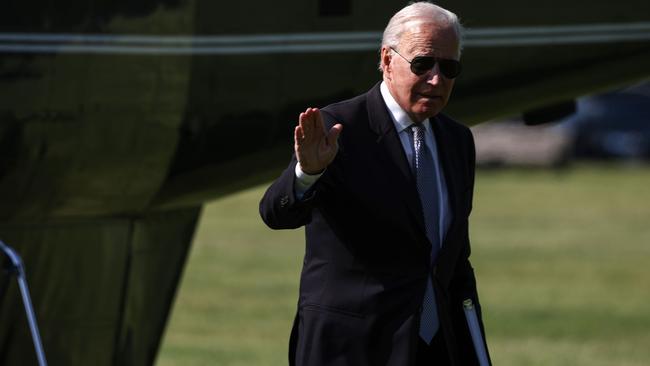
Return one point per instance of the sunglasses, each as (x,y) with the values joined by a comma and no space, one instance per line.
(420,65)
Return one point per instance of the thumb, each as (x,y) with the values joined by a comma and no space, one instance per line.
(334,133)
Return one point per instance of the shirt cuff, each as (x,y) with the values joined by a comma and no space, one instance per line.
(304,181)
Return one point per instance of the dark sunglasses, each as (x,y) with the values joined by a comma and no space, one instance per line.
(420,65)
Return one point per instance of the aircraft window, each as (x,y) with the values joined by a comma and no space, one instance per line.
(334,8)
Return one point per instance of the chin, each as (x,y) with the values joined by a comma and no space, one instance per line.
(428,112)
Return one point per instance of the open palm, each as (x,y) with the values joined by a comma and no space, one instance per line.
(314,146)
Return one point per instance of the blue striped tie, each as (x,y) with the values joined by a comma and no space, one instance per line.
(425,174)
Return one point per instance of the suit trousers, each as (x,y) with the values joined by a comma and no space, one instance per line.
(434,354)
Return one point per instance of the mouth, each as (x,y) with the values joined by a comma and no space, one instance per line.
(430,96)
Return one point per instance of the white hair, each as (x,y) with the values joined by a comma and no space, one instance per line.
(415,14)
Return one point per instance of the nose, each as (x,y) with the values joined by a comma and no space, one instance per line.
(434,76)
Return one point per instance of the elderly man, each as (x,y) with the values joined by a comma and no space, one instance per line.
(383,184)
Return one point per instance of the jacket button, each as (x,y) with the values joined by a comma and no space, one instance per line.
(284,201)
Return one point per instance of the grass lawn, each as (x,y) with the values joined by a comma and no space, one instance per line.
(562,259)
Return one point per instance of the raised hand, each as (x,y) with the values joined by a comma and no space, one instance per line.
(315,148)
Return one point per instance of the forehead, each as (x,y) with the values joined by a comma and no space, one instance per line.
(430,39)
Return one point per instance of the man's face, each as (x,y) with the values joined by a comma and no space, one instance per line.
(421,96)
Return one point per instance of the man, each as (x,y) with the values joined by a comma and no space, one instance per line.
(383,184)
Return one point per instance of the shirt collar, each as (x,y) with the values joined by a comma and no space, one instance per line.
(401,120)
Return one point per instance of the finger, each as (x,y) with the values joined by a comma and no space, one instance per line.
(297,135)
(318,123)
(311,130)
(301,120)
(334,133)
(306,123)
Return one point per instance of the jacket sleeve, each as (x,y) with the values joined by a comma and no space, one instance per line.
(463,284)
(279,207)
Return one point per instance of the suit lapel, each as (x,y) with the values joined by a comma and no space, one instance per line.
(446,158)
(450,170)
(388,140)
(382,124)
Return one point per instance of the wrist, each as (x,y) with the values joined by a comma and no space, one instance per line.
(310,171)
(307,175)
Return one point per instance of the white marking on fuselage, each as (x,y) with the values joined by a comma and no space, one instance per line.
(309,42)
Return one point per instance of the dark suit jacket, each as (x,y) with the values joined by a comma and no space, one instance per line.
(367,255)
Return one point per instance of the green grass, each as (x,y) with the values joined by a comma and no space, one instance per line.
(562,259)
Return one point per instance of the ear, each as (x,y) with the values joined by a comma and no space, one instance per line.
(386,57)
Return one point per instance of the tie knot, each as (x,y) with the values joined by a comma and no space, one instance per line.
(418,131)
(417,127)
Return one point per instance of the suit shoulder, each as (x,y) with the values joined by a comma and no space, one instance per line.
(452,123)
(354,102)
(347,111)
(455,127)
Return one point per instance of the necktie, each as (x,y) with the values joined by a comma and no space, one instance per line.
(425,174)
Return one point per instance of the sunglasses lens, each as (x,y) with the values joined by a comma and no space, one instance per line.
(449,68)
(422,64)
